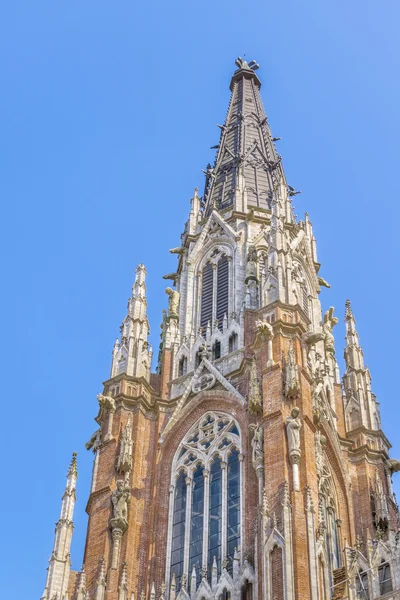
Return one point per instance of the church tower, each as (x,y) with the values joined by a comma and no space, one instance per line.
(243,468)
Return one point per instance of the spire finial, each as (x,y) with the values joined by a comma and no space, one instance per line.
(349,312)
(243,64)
(73,467)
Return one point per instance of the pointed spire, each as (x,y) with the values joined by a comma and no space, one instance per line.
(101,581)
(82,591)
(123,586)
(353,352)
(172,593)
(361,405)
(195,207)
(153,592)
(193,582)
(163,589)
(236,564)
(247,167)
(214,574)
(59,564)
(133,355)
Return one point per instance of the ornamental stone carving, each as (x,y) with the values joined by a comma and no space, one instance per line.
(202,383)
(291,374)
(293,426)
(255,402)
(265,328)
(173,302)
(95,441)
(329,322)
(120,499)
(257,444)
(124,462)
(251,265)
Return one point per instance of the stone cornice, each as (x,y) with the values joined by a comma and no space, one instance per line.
(378,433)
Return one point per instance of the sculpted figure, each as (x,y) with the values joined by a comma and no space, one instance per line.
(265,327)
(257,446)
(251,265)
(393,464)
(120,499)
(173,302)
(329,322)
(293,426)
(95,441)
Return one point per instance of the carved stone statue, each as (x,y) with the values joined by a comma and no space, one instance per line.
(124,462)
(95,441)
(291,374)
(329,322)
(257,444)
(255,401)
(106,402)
(293,426)
(264,327)
(393,465)
(251,265)
(120,499)
(173,302)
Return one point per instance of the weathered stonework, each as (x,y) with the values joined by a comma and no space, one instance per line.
(246,379)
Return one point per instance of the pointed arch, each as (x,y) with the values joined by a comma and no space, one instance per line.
(209,455)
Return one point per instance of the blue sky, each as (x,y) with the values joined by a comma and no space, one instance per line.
(108,111)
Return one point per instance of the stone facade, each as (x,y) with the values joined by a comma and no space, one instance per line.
(243,467)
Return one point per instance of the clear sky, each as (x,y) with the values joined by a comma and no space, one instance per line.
(108,111)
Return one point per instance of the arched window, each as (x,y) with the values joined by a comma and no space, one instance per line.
(233,342)
(215,291)
(178,527)
(330,523)
(207,296)
(205,523)
(362,586)
(217,350)
(182,366)
(385,578)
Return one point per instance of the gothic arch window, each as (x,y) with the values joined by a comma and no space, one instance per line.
(362,586)
(216,350)
(182,367)
(214,297)
(205,505)
(330,522)
(233,342)
(385,578)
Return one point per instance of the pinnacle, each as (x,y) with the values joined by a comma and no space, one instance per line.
(349,312)
(73,467)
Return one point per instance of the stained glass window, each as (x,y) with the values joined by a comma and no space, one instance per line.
(215,525)
(362,588)
(196,522)
(178,528)
(233,506)
(209,459)
(385,579)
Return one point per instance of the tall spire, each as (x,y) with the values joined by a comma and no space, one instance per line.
(247,168)
(132,354)
(59,564)
(361,405)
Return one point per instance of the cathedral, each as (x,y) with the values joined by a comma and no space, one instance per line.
(245,467)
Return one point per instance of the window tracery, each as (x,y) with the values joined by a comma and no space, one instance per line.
(215,279)
(205,519)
